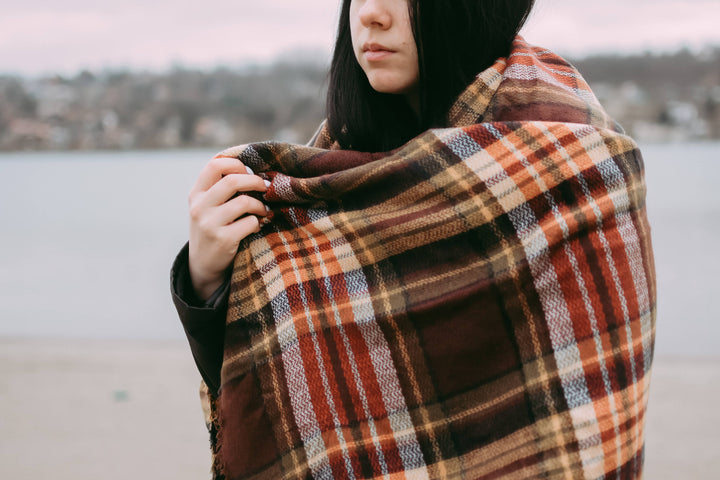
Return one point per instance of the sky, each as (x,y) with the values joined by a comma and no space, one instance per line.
(47,36)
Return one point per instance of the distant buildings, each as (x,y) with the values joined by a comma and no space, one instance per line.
(660,98)
(672,97)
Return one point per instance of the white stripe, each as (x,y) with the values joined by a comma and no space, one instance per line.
(593,143)
(321,221)
(378,351)
(545,66)
(547,285)
(318,355)
(614,180)
(588,305)
(533,72)
(297,384)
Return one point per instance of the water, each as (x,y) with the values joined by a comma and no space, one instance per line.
(684,212)
(87,239)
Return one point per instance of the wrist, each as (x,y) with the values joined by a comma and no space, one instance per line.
(204,285)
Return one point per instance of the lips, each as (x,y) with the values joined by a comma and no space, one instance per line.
(376,51)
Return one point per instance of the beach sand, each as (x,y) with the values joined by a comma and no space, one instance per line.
(102,410)
(74,409)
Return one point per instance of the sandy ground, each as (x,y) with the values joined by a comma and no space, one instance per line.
(128,410)
(100,410)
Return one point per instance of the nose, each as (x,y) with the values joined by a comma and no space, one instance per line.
(374,13)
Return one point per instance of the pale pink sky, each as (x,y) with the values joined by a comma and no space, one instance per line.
(39,36)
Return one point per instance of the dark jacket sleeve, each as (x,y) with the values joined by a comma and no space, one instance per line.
(204,322)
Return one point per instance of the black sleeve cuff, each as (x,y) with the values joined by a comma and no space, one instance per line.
(183,289)
(203,322)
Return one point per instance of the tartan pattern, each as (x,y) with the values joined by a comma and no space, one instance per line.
(479,303)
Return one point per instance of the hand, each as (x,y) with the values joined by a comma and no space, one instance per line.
(218,222)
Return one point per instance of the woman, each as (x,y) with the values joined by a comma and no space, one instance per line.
(476,302)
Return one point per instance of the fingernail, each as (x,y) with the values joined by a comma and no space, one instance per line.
(267,209)
(249,170)
(267,183)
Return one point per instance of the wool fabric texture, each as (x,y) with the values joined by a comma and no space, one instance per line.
(478,303)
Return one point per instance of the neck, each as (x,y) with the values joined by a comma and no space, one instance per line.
(413,99)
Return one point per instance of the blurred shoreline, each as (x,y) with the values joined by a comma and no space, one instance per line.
(655,97)
(117,409)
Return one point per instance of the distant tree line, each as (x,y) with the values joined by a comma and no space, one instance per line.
(656,97)
(669,96)
(179,108)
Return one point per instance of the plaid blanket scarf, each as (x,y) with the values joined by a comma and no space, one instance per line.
(479,303)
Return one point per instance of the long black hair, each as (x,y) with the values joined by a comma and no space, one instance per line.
(456,40)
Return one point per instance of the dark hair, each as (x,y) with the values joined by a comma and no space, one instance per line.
(456,40)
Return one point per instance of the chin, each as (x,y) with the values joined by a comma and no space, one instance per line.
(395,88)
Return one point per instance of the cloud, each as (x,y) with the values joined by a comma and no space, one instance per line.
(49,36)
(39,36)
(573,27)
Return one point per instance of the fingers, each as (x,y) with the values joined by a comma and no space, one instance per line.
(218,222)
(243,227)
(231,184)
(215,169)
(231,210)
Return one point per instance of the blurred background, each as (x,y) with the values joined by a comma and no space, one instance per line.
(108,111)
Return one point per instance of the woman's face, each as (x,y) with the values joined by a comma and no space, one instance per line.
(384,45)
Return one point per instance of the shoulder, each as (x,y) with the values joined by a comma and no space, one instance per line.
(322,138)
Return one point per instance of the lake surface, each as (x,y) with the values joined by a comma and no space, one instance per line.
(87,240)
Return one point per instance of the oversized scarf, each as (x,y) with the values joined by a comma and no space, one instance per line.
(479,303)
